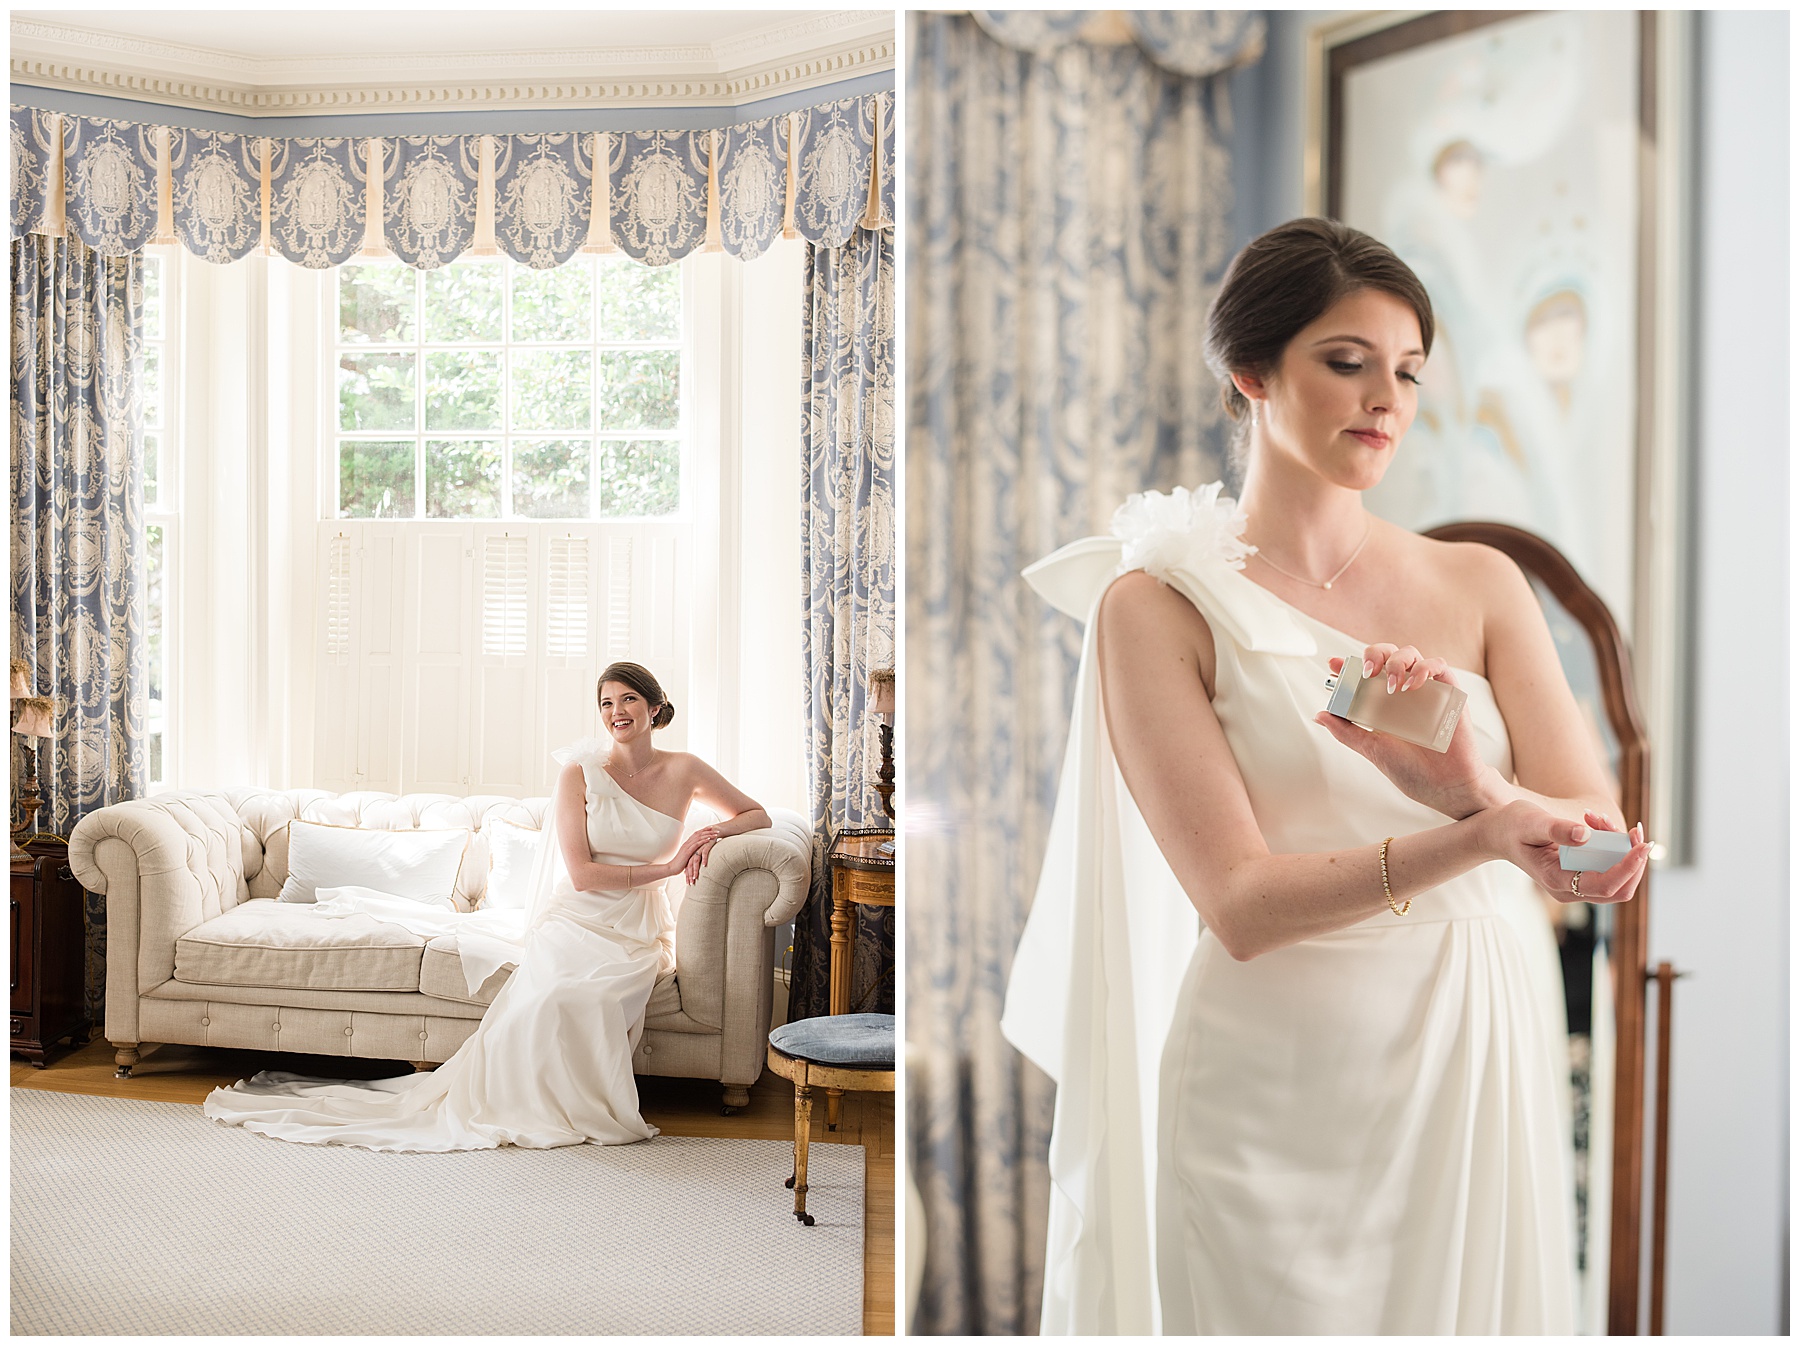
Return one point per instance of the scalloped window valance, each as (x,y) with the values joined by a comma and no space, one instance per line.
(539,197)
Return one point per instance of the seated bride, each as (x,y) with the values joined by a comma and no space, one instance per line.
(550,1063)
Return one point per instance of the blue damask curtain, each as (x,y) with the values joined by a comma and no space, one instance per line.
(1069,221)
(847,434)
(78,529)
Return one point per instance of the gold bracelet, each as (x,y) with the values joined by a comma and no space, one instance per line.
(1398,911)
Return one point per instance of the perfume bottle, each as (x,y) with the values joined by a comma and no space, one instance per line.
(1426,715)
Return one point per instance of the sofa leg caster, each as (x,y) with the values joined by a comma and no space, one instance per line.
(125,1056)
(736,1096)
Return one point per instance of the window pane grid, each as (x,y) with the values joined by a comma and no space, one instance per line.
(564,428)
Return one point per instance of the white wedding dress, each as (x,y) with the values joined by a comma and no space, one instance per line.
(550,1063)
(1364,1132)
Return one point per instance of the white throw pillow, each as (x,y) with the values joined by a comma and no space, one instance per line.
(514,854)
(419,865)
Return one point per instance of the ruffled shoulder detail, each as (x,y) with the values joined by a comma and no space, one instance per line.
(1190,540)
(1160,531)
(590,752)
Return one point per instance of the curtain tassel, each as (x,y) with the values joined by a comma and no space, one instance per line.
(165,188)
(787,218)
(484,244)
(373,245)
(715,241)
(599,239)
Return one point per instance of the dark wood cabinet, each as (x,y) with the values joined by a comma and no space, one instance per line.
(49,952)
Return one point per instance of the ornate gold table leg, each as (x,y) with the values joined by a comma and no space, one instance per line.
(802,1134)
(841,946)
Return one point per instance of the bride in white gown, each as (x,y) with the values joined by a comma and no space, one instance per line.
(1337,1102)
(550,1063)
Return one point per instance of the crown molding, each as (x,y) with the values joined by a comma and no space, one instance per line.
(787,57)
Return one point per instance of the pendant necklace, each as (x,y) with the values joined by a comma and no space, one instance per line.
(1368,532)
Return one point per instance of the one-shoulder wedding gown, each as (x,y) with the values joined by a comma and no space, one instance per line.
(550,1063)
(1364,1132)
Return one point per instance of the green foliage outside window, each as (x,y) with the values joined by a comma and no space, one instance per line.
(375,478)
(639,303)
(553,305)
(465,302)
(462,390)
(376,304)
(639,478)
(550,478)
(553,390)
(640,390)
(375,392)
(462,478)
(424,372)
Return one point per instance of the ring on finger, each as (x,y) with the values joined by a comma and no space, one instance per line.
(1575,885)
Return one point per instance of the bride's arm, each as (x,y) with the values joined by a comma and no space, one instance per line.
(1185,781)
(742,814)
(585,873)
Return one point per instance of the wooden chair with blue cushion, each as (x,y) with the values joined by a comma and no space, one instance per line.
(838,1051)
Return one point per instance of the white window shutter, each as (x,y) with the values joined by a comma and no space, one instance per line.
(504,579)
(618,598)
(567,626)
(337,600)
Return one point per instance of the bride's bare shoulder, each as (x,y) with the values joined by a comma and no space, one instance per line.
(1140,615)
(1472,574)
(1137,603)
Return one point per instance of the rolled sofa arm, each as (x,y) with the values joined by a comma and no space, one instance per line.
(784,849)
(724,932)
(165,865)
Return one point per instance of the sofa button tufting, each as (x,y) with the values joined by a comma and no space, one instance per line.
(421,1037)
(274,1028)
(346,1032)
(205,1023)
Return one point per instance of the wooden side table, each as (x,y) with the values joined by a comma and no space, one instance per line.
(861,875)
(49,951)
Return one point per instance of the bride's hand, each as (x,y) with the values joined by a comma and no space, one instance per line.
(1528,837)
(695,851)
(1456,782)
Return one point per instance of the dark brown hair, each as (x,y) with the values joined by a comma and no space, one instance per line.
(642,681)
(1283,280)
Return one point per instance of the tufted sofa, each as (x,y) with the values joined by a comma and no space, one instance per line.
(198,950)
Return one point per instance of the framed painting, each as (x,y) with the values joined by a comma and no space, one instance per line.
(1529,166)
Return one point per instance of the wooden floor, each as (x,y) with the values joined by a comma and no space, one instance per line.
(177,1074)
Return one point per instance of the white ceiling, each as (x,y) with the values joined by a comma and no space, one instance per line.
(306,62)
(282,36)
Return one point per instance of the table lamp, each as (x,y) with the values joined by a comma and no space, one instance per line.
(881,705)
(33,717)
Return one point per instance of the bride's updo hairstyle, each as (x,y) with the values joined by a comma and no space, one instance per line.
(1284,280)
(642,681)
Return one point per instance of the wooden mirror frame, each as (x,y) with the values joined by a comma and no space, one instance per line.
(1631,920)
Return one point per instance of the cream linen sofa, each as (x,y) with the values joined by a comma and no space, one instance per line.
(198,951)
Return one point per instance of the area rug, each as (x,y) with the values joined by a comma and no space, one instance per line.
(146,1218)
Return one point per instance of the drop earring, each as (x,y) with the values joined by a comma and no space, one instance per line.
(1255,414)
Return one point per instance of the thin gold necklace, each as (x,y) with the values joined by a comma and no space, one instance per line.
(1368,531)
(632,775)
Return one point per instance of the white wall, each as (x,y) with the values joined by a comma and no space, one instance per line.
(770,687)
(1724,918)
